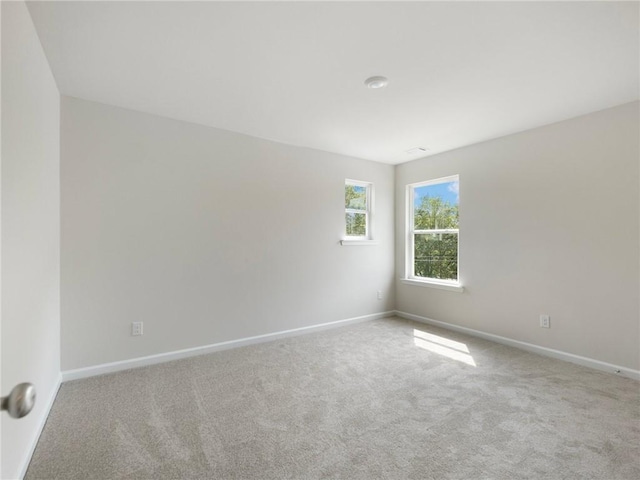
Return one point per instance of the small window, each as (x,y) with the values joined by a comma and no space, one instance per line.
(357,204)
(432,252)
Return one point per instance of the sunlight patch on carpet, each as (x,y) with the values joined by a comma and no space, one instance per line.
(443,346)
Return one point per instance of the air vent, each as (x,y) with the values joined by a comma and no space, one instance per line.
(417,150)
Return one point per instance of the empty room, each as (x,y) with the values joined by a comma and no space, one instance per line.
(304,240)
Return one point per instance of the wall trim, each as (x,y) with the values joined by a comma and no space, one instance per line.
(111,367)
(530,347)
(41,423)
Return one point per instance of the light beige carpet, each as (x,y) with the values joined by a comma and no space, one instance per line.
(384,399)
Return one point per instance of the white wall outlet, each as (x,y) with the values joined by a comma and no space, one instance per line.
(545,321)
(136,328)
(379,294)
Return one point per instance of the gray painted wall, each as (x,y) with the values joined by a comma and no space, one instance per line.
(205,236)
(30,230)
(549,222)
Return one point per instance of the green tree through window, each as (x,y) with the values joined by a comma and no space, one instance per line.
(357,199)
(435,228)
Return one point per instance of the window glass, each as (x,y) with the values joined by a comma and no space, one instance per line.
(356,224)
(355,197)
(436,206)
(357,202)
(434,229)
(436,256)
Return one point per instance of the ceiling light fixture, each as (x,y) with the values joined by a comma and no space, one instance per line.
(376,82)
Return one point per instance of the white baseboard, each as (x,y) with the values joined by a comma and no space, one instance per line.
(530,347)
(38,432)
(216,347)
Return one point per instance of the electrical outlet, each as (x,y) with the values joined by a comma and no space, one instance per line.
(545,321)
(379,294)
(136,328)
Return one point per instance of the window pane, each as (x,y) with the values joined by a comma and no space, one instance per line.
(355,197)
(356,224)
(436,206)
(436,255)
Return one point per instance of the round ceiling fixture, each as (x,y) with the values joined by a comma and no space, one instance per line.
(376,82)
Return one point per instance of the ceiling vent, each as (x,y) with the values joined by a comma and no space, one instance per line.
(417,150)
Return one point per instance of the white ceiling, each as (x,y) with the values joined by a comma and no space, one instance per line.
(459,73)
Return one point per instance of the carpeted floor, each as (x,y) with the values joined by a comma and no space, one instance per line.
(384,399)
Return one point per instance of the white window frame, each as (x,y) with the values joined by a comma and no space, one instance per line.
(410,276)
(367,238)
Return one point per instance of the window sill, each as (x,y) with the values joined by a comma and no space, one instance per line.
(353,243)
(452,287)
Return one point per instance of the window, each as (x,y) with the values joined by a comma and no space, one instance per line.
(432,250)
(357,207)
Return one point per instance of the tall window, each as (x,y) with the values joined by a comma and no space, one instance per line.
(357,206)
(433,230)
